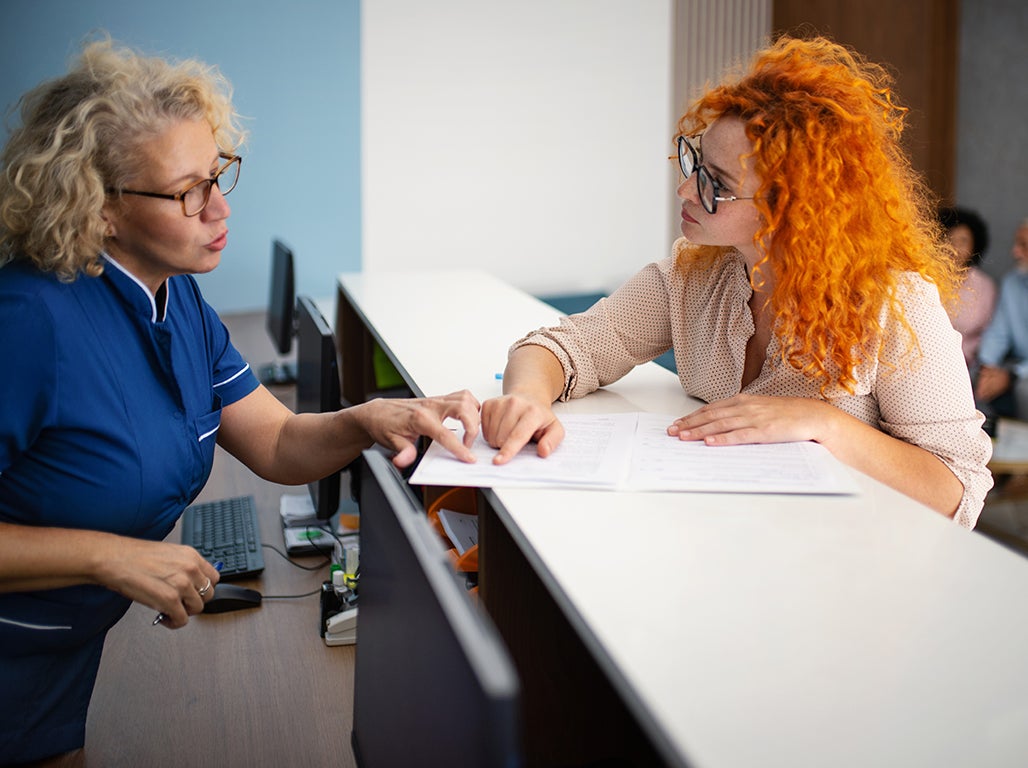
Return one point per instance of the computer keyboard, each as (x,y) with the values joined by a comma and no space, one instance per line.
(226,530)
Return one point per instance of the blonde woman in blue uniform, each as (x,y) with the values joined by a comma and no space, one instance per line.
(112,194)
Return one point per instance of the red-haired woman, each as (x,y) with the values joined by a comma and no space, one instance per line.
(805,300)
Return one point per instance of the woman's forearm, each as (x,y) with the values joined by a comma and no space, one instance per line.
(33,558)
(905,467)
(535,373)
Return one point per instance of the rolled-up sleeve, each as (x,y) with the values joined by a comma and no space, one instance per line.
(599,346)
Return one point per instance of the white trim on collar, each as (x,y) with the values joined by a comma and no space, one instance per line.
(153,302)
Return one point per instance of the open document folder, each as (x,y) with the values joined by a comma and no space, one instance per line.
(633,452)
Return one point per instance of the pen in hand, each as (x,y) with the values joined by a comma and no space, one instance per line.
(161,617)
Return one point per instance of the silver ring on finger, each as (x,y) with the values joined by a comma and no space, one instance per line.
(206,587)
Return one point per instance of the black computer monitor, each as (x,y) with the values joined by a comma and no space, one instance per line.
(433,682)
(317,388)
(281,315)
(282,298)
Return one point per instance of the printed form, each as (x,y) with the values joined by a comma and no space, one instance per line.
(633,452)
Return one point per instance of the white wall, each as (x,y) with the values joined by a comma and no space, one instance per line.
(529,139)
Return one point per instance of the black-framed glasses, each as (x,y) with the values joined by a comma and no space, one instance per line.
(710,191)
(195,197)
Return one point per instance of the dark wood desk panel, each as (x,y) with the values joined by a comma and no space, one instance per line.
(255,687)
(571,714)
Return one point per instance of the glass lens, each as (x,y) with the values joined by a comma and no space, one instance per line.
(705,186)
(228,176)
(195,198)
(686,157)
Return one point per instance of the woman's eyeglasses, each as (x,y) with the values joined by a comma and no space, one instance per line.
(195,197)
(706,185)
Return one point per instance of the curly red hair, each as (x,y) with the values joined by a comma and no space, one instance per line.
(843,214)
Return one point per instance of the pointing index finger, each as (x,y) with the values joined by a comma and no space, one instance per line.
(516,440)
(448,440)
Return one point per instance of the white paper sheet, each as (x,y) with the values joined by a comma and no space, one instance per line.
(633,452)
(461,529)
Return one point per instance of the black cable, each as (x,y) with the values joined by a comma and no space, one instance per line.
(291,597)
(288,559)
(314,544)
(326,554)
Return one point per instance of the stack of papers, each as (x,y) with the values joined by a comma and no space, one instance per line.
(633,452)
(297,509)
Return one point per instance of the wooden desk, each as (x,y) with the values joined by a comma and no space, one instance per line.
(249,688)
(718,629)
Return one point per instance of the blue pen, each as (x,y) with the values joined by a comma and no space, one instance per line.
(161,617)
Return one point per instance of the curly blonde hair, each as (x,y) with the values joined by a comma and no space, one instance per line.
(78,139)
(842,213)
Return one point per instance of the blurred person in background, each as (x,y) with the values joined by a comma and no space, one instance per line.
(976,298)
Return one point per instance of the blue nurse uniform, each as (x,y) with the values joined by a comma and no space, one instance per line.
(111,404)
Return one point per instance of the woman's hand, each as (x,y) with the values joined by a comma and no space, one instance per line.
(164,576)
(510,421)
(397,424)
(532,380)
(904,466)
(755,419)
